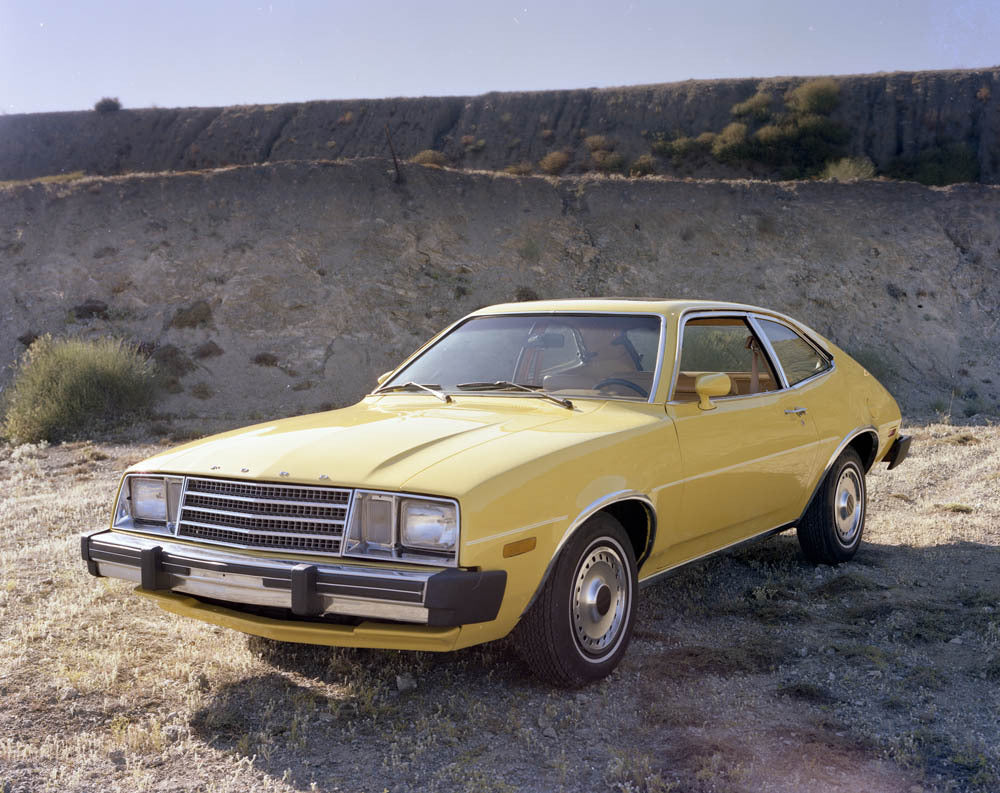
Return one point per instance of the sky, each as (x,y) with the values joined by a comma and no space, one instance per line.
(65,55)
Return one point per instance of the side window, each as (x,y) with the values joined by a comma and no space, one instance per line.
(723,344)
(797,357)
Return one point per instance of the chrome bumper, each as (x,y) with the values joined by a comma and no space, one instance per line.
(429,597)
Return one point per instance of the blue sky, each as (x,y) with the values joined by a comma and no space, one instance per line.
(66,55)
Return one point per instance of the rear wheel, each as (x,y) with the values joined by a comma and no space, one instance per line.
(830,532)
(579,626)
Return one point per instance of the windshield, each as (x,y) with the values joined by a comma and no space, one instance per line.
(608,356)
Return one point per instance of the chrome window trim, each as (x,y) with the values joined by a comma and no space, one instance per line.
(823,353)
(657,370)
(750,315)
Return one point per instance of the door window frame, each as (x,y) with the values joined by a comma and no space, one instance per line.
(751,318)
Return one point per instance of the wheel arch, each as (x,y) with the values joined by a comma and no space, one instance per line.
(864,440)
(633,510)
(865,443)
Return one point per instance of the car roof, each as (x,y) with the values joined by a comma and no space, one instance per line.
(642,305)
(623,305)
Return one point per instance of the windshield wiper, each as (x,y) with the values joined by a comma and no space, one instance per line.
(411,385)
(507,385)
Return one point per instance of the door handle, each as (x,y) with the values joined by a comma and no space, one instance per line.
(796,411)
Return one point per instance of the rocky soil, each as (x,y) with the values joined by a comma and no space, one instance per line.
(752,672)
(272,289)
(889,116)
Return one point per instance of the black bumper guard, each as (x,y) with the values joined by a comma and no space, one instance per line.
(452,597)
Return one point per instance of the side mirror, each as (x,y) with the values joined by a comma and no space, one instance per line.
(715,384)
(383,377)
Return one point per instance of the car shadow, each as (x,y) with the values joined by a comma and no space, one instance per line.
(811,641)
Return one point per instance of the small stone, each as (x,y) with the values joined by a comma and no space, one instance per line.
(831,677)
(549,732)
(172,732)
(405,682)
(956,640)
(803,652)
(544,721)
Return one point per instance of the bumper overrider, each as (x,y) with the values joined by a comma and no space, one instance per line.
(898,451)
(184,577)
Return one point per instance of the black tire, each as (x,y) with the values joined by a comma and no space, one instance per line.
(580,624)
(830,531)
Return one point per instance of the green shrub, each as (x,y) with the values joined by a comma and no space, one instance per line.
(429,157)
(757,107)
(554,162)
(683,147)
(108,104)
(820,96)
(599,142)
(644,165)
(799,144)
(73,388)
(607,161)
(731,144)
(944,164)
(473,145)
(849,169)
(522,168)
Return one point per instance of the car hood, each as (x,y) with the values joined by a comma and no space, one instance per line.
(384,442)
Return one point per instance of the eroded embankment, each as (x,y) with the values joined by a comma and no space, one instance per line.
(284,287)
(885,117)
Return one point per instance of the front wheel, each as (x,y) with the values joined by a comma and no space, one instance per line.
(830,532)
(579,626)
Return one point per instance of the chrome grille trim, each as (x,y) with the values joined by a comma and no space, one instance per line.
(295,518)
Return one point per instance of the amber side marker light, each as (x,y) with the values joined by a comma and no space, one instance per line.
(519,547)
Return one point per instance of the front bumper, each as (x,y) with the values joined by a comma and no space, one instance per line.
(442,598)
(898,451)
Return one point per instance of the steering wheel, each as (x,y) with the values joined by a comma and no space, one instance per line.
(622,381)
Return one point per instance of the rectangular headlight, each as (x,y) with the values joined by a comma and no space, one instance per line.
(149,498)
(408,528)
(428,525)
(148,502)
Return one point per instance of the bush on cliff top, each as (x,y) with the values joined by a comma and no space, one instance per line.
(76,388)
(108,104)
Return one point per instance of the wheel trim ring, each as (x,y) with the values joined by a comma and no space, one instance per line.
(603,566)
(848,505)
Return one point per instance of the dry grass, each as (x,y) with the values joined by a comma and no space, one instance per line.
(751,671)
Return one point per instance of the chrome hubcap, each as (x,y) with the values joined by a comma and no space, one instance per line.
(848,504)
(600,599)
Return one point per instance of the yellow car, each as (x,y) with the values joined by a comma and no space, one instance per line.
(525,471)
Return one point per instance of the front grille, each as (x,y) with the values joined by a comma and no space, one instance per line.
(282,517)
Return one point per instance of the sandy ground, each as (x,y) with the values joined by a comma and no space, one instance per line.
(752,671)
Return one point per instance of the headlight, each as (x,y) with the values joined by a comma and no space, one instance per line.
(148,502)
(431,525)
(148,498)
(408,528)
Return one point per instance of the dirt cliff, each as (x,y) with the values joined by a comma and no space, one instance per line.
(270,289)
(888,117)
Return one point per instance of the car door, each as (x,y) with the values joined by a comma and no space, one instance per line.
(747,460)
